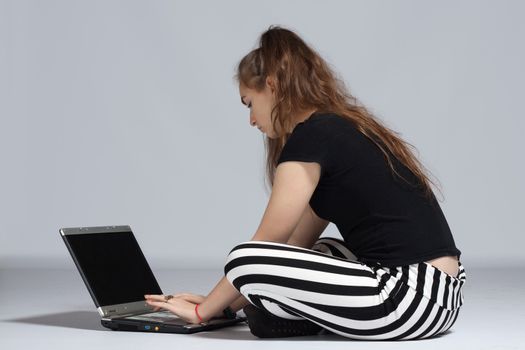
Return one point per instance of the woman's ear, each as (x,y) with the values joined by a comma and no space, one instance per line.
(270,82)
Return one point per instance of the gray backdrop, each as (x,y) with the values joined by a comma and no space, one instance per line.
(125,112)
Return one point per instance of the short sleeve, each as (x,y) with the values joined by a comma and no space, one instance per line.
(309,142)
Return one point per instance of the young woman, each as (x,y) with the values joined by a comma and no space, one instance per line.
(396,273)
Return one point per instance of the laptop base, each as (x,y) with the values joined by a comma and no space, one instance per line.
(157,327)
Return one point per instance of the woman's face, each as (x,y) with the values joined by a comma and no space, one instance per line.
(260,105)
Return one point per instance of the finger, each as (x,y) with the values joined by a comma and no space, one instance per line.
(196,299)
(147,297)
(155,308)
(185,294)
(189,296)
(162,305)
(155,297)
(181,295)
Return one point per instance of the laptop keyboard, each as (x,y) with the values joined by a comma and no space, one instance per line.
(161,316)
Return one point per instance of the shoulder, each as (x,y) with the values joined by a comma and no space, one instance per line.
(314,139)
(322,126)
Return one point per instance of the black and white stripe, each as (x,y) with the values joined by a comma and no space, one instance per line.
(328,286)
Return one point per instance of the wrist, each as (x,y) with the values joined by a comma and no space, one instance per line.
(199,318)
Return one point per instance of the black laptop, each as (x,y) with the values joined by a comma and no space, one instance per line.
(118,276)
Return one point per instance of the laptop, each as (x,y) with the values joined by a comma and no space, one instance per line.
(117,276)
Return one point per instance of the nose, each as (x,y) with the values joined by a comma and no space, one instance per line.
(252,122)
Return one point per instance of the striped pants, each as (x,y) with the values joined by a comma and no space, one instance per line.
(328,286)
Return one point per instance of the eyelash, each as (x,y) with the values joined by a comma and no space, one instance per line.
(249,105)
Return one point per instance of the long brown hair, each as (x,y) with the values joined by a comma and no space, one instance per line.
(303,81)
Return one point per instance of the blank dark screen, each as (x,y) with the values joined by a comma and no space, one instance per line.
(114,267)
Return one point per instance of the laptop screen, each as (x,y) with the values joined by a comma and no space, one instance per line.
(113,266)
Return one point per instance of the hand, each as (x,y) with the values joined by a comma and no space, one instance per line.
(181,305)
(192,298)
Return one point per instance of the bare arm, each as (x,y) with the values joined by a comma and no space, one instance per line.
(288,218)
(218,299)
(308,230)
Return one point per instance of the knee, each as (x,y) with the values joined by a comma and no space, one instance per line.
(329,240)
(335,247)
(246,253)
(239,255)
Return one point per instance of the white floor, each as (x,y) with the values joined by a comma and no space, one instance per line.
(51,309)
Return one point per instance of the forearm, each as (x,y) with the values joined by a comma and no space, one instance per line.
(236,305)
(222,296)
(239,303)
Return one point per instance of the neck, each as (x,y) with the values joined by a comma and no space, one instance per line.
(302,116)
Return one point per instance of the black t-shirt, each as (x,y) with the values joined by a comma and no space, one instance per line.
(381,218)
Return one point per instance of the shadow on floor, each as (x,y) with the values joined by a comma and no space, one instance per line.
(73,319)
(91,321)
(243,333)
